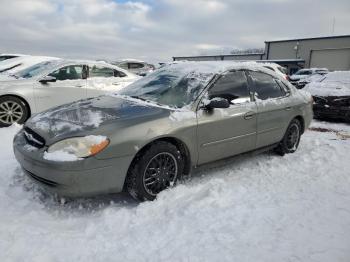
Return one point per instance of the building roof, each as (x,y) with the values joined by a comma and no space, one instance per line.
(309,38)
(211,56)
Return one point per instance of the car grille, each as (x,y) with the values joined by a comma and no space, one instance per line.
(33,138)
(42,180)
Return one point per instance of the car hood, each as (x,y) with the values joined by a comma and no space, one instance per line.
(100,115)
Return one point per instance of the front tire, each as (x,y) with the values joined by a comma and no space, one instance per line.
(155,170)
(291,139)
(12,110)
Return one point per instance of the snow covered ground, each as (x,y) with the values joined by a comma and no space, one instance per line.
(249,208)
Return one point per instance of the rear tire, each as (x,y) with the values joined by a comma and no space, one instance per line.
(12,110)
(156,169)
(291,139)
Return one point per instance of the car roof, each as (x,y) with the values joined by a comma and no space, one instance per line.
(219,67)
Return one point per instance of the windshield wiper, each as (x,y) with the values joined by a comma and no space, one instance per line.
(147,100)
(13,75)
(140,98)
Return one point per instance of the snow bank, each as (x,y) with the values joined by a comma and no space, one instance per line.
(250,208)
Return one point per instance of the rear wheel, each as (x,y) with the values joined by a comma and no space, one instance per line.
(155,170)
(291,139)
(12,110)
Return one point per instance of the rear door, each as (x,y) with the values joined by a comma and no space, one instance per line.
(226,132)
(70,86)
(273,105)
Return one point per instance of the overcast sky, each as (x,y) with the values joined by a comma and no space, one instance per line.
(159,29)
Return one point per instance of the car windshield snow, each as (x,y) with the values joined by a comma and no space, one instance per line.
(35,70)
(173,86)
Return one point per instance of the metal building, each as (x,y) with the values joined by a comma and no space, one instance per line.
(332,52)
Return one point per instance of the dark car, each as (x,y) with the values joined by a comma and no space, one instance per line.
(331,96)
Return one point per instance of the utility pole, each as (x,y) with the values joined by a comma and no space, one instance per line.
(333,27)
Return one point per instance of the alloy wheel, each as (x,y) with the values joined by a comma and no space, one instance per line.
(293,137)
(160,173)
(10,112)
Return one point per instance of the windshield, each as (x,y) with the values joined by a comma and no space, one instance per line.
(303,72)
(174,86)
(35,70)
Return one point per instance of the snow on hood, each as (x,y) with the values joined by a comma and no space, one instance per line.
(89,114)
(20,63)
(333,84)
(71,117)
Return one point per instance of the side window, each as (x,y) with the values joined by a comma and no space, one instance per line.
(135,65)
(123,65)
(266,86)
(119,73)
(72,72)
(231,86)
(101,72)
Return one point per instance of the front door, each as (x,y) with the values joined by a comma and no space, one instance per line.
(230,131)
(70,86)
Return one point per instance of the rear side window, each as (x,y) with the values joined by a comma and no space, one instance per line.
(101,72)
(231,86)
(135,65)
(265,86)
(72,72)
(105,72)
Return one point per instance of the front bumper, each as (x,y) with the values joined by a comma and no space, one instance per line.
(87,177)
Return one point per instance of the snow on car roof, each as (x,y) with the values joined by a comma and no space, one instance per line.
(129,60)
(218,67)
(333,84)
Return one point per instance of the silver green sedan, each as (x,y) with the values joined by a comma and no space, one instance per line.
(154,131)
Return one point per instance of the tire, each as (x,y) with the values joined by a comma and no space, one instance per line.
(145,177)
(12,110)
(291,139)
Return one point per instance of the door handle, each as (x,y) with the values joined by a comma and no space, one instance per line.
(79,86)
(249,115)
(116,84)
(288,108)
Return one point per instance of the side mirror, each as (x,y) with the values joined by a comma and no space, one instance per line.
(217,102)
(47,79)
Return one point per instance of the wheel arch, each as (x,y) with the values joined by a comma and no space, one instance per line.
(180,145)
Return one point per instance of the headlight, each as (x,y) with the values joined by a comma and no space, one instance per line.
(80,146)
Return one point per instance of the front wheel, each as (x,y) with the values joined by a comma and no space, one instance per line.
(291,139)
(154,170)
(12,110)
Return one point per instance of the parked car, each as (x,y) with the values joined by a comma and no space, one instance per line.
(54,83)
(331,96)
(150,135)
(303,73)
(9,56)
(137,67)
(14,65)
(279,70)
(307,80)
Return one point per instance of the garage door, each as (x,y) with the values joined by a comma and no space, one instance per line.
(333,59)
